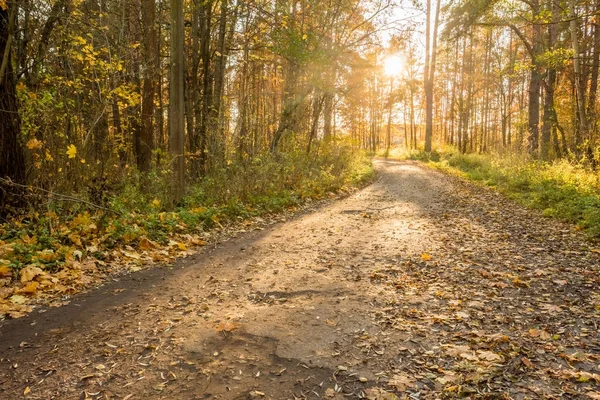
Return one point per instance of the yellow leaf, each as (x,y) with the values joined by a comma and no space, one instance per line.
(75,238)
(27,389)
(226,326)
(29,273)
(304,36)
(401,382)
(34,144)
(17,299)
(30,288)
(5,271)
(182,246)
(4,7)
(155,203)
(146,244)
(198,242)
(47,256)
(49,156)
(425,257)
(71,151)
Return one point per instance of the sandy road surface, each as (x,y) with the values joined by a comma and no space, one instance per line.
(419,286)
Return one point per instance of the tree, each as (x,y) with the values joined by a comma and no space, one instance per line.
(12,165)
(429,71)
(177,100)
(144,141)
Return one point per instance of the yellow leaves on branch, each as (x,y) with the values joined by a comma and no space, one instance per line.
(34,144)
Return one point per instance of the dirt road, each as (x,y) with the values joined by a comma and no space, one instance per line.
(420,286)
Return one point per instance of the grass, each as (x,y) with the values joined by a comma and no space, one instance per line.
(48,234)
(558,189)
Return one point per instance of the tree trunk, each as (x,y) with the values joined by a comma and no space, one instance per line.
(203,124)
(176,100)
(12,165)
(582,132)
(145,139)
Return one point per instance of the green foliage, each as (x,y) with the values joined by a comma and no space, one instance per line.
(142,209)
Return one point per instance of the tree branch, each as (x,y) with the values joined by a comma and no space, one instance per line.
(56,196)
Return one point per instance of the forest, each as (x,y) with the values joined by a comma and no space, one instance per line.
(101,97)
(299,199)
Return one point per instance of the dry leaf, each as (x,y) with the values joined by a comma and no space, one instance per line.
(401,382)
(18,299)
(5,271)
(379,394)
(488,356)
(29,273)
(30,288)
(146,244)
(527,362)
(226,326)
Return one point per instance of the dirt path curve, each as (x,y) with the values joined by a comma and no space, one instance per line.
(420,286)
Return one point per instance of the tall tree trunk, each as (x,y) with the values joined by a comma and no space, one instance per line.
(580,85)
(145,139)
(12,165)
(549,117)
(317,107)
(219,81)
(176,100)
(203,124)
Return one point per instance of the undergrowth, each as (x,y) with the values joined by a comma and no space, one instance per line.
(559,189)
(140,210)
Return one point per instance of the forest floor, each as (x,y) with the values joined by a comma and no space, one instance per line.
(419,286)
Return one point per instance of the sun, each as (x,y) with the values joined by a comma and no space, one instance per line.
(393,65)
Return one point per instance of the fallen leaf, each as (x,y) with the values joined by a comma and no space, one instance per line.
(488,356)
(29,273)
(146,244)
(18,299)
(379,394)
(425,257)
(401,382)
(537,333)
(527,362)
(30,288)
(5,271)
(226,326)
